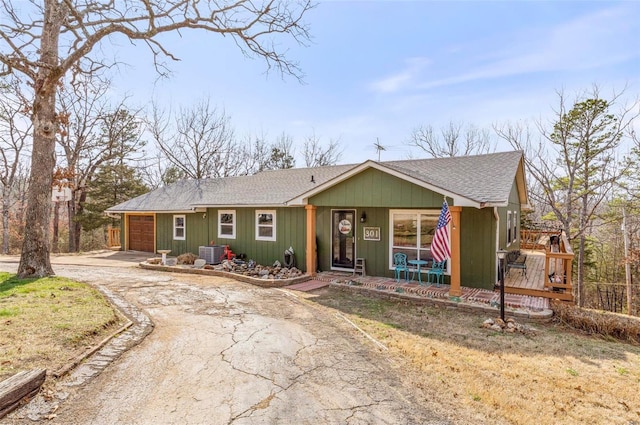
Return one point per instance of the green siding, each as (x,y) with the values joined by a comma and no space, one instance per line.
(196,233)
(477,248)
(477,244)
(373,188)
(514,206)
(376,253)
(290,232)
(371,191)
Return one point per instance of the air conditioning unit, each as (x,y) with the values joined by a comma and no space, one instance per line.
(211,254)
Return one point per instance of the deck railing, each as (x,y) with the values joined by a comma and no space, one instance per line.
(535,239)
(113,236)
(557,265)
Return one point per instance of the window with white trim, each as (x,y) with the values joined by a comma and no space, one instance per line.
(179,227)
(227,224)
(514,223)
(265,225)
(411,232)
(509,229)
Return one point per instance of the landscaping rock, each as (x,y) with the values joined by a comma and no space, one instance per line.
(258,271)
(510,326)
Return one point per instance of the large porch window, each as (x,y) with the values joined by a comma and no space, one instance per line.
(412,233)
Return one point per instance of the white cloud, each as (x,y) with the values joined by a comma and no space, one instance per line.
(402,79)
(595,40)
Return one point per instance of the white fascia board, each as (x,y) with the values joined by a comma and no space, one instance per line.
(151,212)
(218,206)
(458,200)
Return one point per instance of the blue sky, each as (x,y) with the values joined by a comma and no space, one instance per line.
(378,69)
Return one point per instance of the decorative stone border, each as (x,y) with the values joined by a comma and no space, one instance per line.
(264,283)
(533,316)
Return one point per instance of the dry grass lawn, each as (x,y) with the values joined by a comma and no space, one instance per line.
(474,375)
(45,323)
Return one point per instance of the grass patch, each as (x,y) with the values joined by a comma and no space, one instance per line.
(472,375)
(44,323)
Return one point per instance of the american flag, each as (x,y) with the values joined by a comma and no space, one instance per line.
(440,246)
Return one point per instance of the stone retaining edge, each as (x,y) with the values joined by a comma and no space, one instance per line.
(75,362)
(264,283)
(531,316)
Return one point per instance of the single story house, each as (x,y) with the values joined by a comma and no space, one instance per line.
(332,215)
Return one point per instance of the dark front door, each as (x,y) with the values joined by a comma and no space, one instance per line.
(343,235)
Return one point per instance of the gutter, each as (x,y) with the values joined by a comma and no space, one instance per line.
(497,247)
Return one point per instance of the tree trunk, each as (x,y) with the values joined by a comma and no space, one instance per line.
(71,209)
(35,259)
(627,262)
(76,223)
(5,221)
(581,260)
(56,222)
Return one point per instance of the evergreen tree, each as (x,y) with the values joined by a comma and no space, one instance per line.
(112,184)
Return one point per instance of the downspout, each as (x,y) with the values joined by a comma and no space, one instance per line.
(497,247)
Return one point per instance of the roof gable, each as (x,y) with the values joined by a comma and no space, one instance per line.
(472,181)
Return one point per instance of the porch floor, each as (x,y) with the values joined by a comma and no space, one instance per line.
(532,284)
(470,296)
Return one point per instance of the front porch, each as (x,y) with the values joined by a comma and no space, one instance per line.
(532,307)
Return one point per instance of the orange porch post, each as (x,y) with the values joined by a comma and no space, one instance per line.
(312,265)
(455,290)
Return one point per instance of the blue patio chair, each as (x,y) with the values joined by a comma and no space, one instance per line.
(400,264)
(437,271)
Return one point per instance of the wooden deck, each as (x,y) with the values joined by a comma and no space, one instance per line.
(533,283)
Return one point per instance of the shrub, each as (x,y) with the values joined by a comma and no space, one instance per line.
(187,258)
(618,326)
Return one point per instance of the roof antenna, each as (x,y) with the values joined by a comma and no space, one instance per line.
(312,180)
(379,147)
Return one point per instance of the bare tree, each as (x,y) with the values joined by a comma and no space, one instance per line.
(15,135)
(92,131)
(282,153)
(574,161)
(317,155)
(45,40)
(456,139)
(198,141)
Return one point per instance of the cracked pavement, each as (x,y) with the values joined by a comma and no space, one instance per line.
(226,352)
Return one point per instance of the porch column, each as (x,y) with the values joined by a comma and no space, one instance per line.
(312,257)
(455,290)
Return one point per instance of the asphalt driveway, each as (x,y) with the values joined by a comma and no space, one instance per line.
(226,352)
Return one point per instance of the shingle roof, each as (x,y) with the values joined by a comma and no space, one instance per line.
(479,178)
(267,188)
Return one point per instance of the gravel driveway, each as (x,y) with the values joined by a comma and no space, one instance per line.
(225,352)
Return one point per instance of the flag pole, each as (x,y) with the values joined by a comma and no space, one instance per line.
(453,225)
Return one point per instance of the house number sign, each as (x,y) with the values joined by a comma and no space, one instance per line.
(371,233)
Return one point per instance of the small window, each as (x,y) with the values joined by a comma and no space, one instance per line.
(514,223)
(227,224)
(265,225)
(179,227)
(509,228)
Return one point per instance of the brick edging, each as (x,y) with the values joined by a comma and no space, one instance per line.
(531,316)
